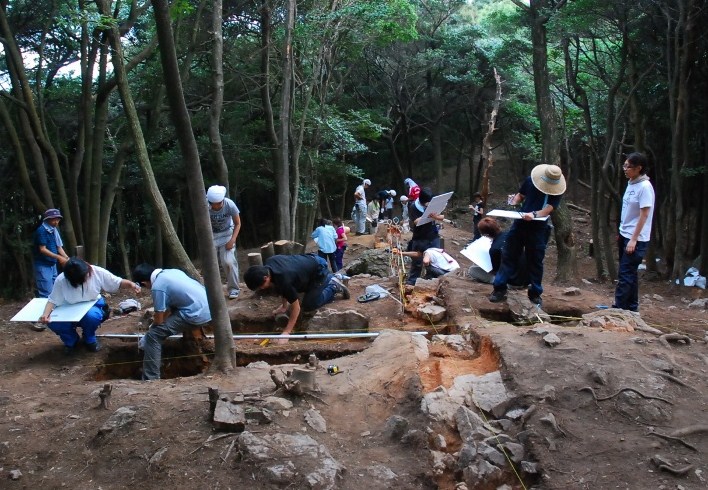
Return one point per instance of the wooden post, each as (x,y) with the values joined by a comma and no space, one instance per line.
(255,259)
(79,251)
(297,248)
(282,247)
(267,251)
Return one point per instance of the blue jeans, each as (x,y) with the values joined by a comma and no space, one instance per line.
(417,262)
(529,239)
(627,291)
(339,257)
(321,290)
(44,277)
(152,359)
(360,217)
(88,324)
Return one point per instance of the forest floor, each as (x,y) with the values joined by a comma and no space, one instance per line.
(630,411)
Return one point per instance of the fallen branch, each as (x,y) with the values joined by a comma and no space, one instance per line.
(602,399)
(674,439)
(215,438)
(578,208)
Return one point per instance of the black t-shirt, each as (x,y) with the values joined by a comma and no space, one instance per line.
(427,231)
(293,274)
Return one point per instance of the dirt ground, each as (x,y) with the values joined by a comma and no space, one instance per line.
(630,411)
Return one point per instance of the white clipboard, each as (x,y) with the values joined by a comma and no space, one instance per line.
(435,206)
(505,213)
(478,252)
(33,311)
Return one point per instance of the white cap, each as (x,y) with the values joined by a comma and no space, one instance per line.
(404,199)
(216,193)
(392,193)
(366,182)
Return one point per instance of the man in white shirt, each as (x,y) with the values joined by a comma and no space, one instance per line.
(360,210)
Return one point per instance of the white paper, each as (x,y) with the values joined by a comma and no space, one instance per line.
(505,213)
(33,311)
(478,252)
(435,206)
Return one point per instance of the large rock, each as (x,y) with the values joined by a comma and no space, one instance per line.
(616,319)
(347,320)
(375,262)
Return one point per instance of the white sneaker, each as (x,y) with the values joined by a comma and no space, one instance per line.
(233,294)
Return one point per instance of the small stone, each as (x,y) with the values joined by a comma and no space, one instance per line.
(366,433)
(15,474)
(572,292)
(658,297)
(551,340)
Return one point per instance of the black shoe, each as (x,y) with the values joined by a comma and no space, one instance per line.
(535,299)
(69,351)
(95,347)
(497,296)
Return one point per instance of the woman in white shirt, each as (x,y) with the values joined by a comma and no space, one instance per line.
(81,282)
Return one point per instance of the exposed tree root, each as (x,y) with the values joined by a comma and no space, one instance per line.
(674,439)
(668,376)
(674,337)
(601,399)
(664,465)
(687,431)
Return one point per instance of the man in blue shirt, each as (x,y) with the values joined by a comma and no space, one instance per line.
(528,236)
(180,305)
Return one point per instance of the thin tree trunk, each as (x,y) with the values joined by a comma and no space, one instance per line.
(225,356)
(152,190)
(217,104)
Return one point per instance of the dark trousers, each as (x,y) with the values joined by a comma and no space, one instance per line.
(331,258)
(627,291)
(339,257)
(528,239)
(417,262)
(321,290)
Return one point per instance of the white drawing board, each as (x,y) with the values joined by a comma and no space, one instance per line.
(478,252)
(505,213)
(435,206)
(33,310)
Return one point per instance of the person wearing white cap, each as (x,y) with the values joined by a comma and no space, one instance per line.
(360,209)
(540,194)
(404,214)
(225,225)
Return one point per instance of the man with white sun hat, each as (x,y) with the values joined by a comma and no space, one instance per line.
(225,225)
(539,194)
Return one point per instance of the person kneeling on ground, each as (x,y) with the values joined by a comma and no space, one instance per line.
(291,275)
(436,262)
(180,305)
(81,282)
(489,228)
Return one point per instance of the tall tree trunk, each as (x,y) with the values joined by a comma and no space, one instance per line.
(35,130)
(217,103)
(282,173)
(539,11)
(151,188)
(280,167)
(225,356)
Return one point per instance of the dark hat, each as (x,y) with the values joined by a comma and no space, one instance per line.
(425,196)
(52,213)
